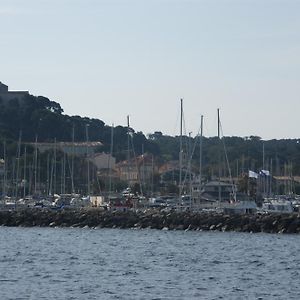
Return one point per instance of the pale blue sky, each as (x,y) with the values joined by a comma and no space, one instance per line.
(108,59)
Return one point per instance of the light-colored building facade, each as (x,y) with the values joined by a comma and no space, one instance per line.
(137,170)
(103,161)
(79,149)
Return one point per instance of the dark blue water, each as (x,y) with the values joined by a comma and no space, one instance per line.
(48,263)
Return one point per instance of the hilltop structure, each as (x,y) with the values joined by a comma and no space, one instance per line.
(7,95)
(77,148)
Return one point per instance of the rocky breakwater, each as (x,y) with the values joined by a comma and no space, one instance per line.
(95,218)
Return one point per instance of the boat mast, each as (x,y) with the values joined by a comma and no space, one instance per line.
(190,170)
(270,177)
(142,172)
(88,161)
(51,193)
(48,175)
(200,156)
(18,165)
(263,155)
(54,165)
(24,182)
(4,167)
(110,156)
(35,165)
(129,165)
(219,154)
(152,173)
(72,162)
(264,181)
(63,174)
(128,150)
(65,161)
(180,148)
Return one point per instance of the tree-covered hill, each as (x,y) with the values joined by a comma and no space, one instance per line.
(38,117)
(42,118)
(243,153)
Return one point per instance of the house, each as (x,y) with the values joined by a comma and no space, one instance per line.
(106,166)
(169,166)
(103,161)
(170,173)
(137,170)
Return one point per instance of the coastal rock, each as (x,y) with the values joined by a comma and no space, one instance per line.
(94,218)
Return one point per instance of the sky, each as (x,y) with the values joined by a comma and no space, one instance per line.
(107,59)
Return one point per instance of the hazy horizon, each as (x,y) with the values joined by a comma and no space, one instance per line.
(110,59)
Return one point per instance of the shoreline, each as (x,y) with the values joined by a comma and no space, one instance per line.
(204,221)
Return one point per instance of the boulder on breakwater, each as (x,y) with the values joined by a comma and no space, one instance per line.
(270,223)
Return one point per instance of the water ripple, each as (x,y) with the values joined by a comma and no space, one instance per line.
(48,263)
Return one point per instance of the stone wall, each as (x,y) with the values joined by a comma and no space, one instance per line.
(97,218)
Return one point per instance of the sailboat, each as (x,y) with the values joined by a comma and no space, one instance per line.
(187,190)
(235,206)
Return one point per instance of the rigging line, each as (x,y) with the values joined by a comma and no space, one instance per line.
(186,140)
(227,162)
(98,183)
(136,163)
(184,133)
(69,166)
(190,157)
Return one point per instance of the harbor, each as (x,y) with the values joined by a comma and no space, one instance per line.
(149,150)
(193,176)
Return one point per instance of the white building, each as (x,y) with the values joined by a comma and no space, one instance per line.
(103,161)
(76,148)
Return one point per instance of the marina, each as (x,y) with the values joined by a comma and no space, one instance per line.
(149,150)
(81,175)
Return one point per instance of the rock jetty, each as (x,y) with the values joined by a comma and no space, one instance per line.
(96,218)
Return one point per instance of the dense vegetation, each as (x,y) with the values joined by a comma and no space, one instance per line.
(38,117)
(243,153)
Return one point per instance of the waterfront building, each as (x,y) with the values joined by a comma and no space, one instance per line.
(137,170)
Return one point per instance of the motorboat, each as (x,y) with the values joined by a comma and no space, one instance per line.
(273,205)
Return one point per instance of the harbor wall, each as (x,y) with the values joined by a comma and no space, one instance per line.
(96,218)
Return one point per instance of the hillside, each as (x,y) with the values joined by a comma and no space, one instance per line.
(42,118)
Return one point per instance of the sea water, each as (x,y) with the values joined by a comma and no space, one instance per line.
(74,263)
